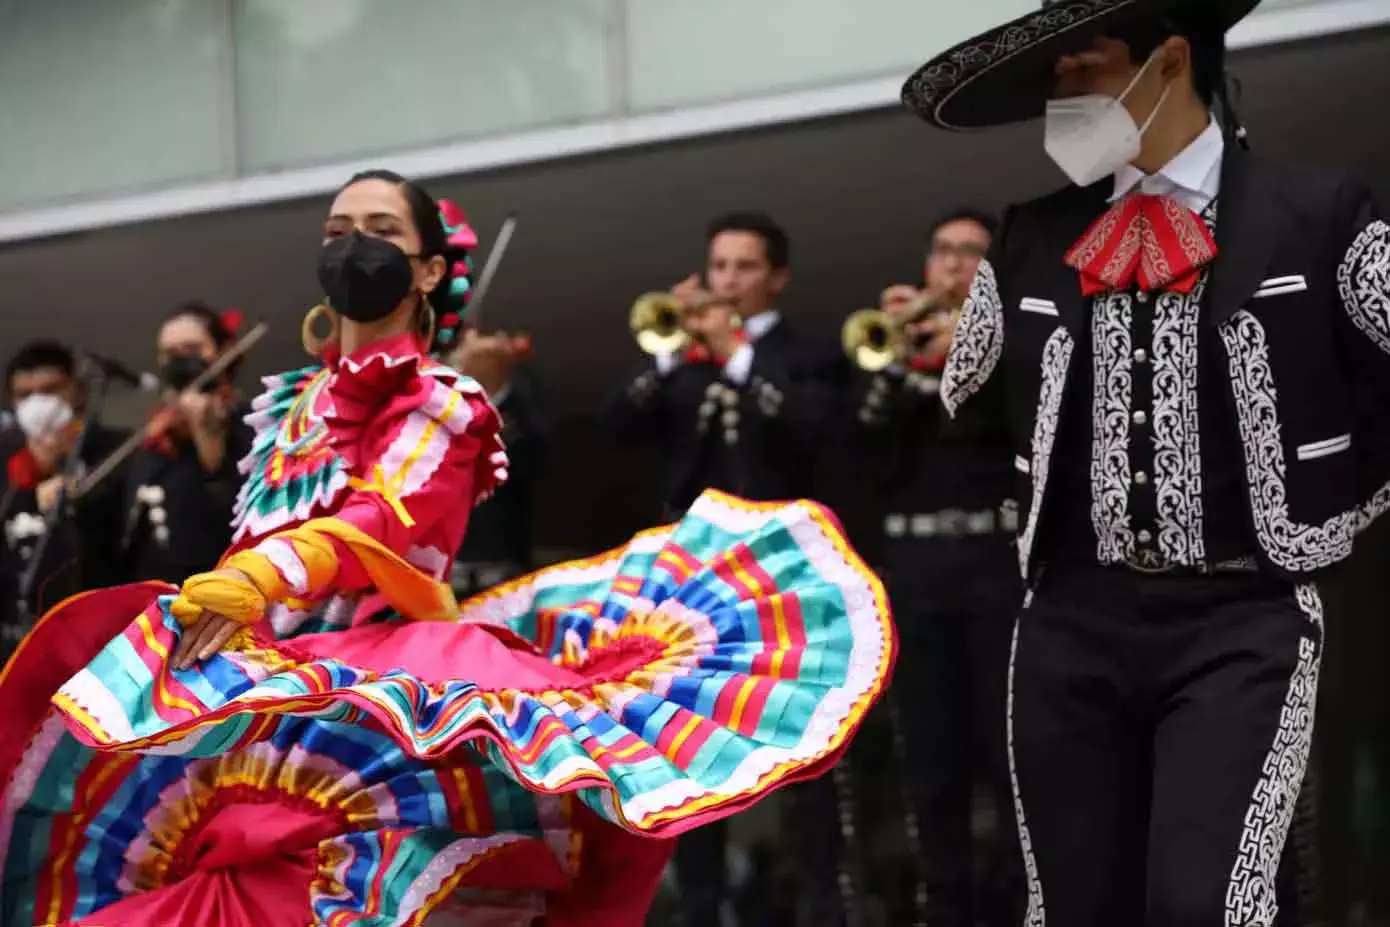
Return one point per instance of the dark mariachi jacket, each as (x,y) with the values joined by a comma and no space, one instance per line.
(757,439)
(77,557)
(177,517)
(1297,309)
(500,531)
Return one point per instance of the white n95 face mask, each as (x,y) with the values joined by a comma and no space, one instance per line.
(41,414)
(1091,137)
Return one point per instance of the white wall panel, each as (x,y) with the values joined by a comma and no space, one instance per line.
(109,96)
(324,80)
(695,52)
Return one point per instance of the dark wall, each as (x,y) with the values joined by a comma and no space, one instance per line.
(855,193)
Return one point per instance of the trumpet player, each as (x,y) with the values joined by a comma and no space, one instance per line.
(950,570)
(735,399)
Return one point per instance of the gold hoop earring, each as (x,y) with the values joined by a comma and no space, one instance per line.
(427,323)
(314,344)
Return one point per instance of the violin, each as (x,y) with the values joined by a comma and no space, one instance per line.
(166,420)
(167,424)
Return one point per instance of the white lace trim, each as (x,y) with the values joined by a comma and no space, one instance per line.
(1176,428)
(1363,280)
(1250,896)
(1113,393)
(978,342)
(1289,544)
(1056,359)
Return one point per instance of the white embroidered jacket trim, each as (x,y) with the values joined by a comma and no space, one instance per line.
(978,342)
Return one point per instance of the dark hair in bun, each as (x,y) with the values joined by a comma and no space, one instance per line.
(221,325)
(443,231)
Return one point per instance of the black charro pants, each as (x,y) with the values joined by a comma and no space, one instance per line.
(1160,733)
(954,603)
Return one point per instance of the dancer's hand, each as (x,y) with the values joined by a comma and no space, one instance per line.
(208,634)
(203,639)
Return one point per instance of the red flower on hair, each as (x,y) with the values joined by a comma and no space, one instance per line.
(464,238)
(452,215)
(231,320)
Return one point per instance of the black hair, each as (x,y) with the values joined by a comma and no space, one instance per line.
(1207,39)
(1143,35)
(213,323)
(39,354)
(207,316)
(447,301)
(962,214)
(775,241)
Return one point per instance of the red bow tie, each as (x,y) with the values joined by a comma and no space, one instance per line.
(698,353)
(1152,242)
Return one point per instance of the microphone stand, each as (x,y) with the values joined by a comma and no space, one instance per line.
(72,467)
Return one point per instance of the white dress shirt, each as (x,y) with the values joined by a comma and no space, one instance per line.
(740,363)
(1193,177)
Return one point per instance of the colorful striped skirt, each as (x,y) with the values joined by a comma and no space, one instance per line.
(529,763)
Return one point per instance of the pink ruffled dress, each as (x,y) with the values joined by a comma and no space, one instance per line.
(527,763)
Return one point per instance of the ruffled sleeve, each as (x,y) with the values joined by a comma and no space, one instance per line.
(419,440)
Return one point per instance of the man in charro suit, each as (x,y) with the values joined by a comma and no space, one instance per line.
(1189,350)
(745,409)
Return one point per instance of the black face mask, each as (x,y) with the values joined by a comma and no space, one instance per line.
(181,370)
(365,278)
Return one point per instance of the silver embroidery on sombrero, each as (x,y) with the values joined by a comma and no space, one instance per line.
(932,86)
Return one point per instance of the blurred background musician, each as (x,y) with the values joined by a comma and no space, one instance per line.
(737,400)
(182,483)
(734,398)
(499,544)
(947,550)
(48,400)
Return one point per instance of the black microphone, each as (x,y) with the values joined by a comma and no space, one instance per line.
(115,370)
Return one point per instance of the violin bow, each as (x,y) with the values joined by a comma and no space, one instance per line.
(214,370)
(494,260)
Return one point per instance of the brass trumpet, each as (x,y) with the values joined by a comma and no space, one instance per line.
(875,340)
(657,321)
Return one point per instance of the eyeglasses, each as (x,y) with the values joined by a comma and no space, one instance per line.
(967,250)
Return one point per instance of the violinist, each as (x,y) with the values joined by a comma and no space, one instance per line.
(182,482)
(47,400)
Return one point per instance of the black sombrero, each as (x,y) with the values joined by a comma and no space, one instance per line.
(1004,74)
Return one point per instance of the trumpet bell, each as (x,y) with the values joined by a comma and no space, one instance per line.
(867,337)
(656,321)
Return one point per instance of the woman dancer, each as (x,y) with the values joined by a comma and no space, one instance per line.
(316,733)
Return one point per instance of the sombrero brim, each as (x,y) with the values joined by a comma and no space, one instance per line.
(1004,75)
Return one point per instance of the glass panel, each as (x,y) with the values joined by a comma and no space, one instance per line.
(323,80)
(108,97)
(683,53)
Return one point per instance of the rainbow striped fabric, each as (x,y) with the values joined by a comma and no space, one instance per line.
(694,669)
(291,470)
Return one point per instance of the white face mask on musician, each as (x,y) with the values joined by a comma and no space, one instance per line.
(40,414)
(1093,136)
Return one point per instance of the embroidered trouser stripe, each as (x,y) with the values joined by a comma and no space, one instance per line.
(1034,916)
(1251,898)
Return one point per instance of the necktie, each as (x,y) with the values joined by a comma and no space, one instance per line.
(1144,241)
